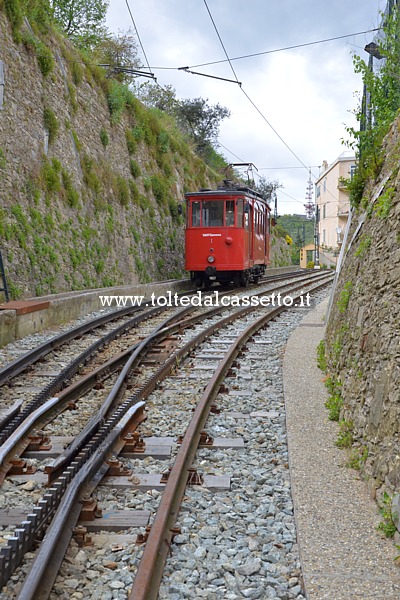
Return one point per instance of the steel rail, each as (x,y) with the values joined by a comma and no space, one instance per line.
(161,332)
(18,365)
(16,444)
(36,584)
(70,370)
(12,554)
(151,566)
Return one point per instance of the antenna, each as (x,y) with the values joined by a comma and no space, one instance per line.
(309,206)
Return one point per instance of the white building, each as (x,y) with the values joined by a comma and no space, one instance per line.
(332,200)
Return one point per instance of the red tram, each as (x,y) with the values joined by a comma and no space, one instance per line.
(227,237)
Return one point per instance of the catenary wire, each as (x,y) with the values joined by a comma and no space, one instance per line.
(248,97)
(137,33)
(220,39)
(283,49)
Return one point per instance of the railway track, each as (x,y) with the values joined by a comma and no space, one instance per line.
(76,471)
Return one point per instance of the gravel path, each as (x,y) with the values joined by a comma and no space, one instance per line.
(343,556)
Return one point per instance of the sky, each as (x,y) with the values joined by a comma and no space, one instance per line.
(293,106)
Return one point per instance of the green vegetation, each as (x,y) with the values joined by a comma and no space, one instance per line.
(130,141)
(118,98)
(357,458)
(104,137)
(321,356)
(344,298)
(345,436)
(50,123)
(334,405)
(301,230)
(134,168)
(363,246)
(71,195)
(50,176)
(54,229)
(376,118)
(387,526)
(3,160)
(384,203)
(335,402)
(15,16)
(45,58)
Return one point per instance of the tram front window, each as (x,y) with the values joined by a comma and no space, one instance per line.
(230,213)
(213,212)
(195,214)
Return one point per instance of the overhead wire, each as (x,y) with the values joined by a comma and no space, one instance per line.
(137,33)
(222,43)
(339,37)
(308,168)
(230,59)
(248,97)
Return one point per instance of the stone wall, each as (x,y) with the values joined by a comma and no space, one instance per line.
(86,200)
(281,251)
(363,332)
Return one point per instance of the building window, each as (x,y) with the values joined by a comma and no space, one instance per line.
(318,193)
(324,211)
(324,236)
(325,184)
(352,171)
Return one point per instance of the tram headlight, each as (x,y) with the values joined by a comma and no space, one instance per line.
(211,259)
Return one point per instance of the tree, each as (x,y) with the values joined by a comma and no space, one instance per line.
(155,96)
(121,53)
(267,188)
(201,121)
(82,20)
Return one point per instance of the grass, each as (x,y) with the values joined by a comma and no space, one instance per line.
(345,438)
(321,356)
(50,123)
(387,526)
(344,298)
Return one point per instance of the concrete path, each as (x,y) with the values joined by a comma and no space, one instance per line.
(342,554)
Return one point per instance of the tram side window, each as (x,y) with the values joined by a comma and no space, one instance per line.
(196,214)
(239,213)
(230,213)
(246,212)
(213,212)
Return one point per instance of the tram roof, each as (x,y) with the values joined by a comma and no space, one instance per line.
(228,191)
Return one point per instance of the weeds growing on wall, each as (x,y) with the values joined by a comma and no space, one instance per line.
(376,117)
